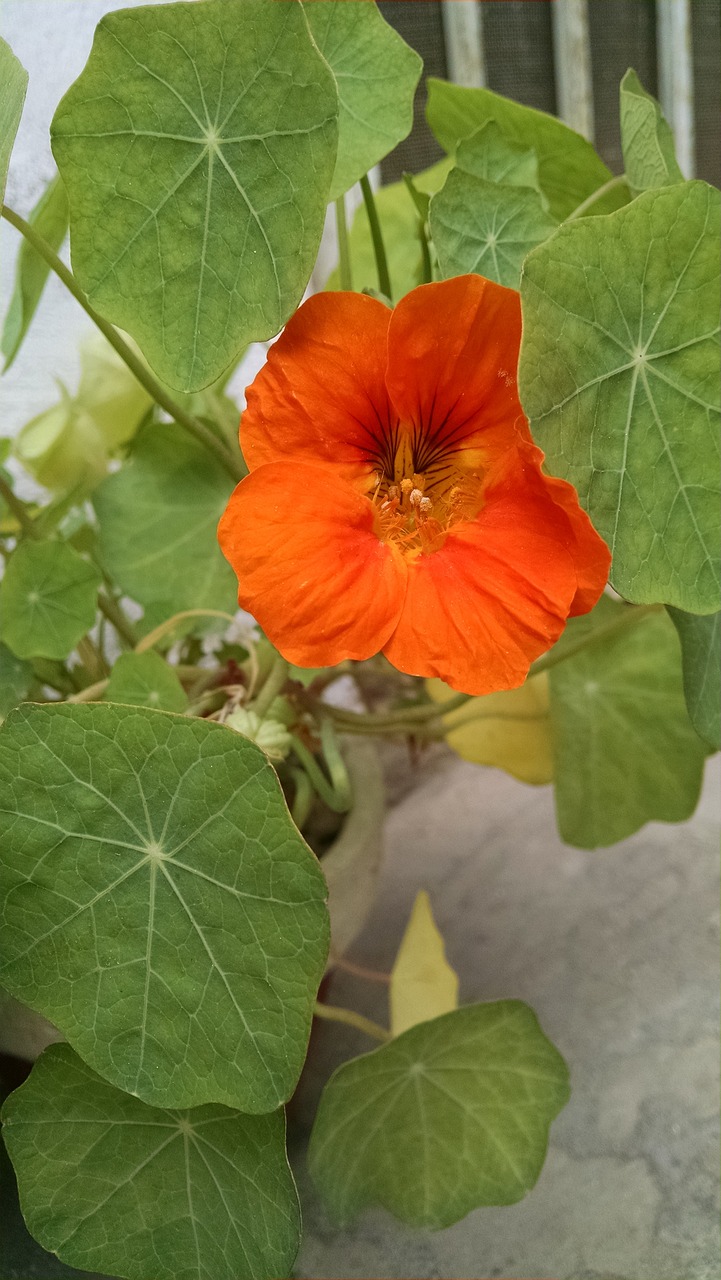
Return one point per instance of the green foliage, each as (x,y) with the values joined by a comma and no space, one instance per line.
(158,518)
(50,220)
(701,659)
(68,446)
(145,680)
(486,227)
(15,679)
(625,751)
(197,148)
(111,1184)
(159,906)
(47,600)
(376,74)
(648,150)
(451,1115)
(568,168)
(619,376)
(489,154)
(13,84)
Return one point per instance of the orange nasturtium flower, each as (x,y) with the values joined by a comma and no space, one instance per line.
(396,500)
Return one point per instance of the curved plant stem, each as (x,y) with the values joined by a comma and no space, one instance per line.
(425,252)
(272,686)
(92,694)
(332,1013)
(136,366)
(326,790)
(115,616)
(597,195)
(346,276)
(359,970)
(163,628)
(17,506)
(384,280)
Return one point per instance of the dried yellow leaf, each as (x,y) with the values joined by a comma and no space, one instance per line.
(423,984)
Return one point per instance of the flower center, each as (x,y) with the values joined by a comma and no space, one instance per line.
(415,510)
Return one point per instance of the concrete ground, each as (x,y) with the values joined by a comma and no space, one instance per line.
(617,951)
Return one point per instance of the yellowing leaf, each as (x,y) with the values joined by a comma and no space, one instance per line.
(423,984)
(509,730)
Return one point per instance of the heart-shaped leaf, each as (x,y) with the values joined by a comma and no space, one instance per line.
(376,73)
(486,227)
(451,1115)
(111,1184)
(197,148)
(48,600)
(619,376)
(700,638)
(160,907)
(145,680)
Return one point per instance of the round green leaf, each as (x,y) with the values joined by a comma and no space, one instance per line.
(145,680)
(159,905)
(619,376)
(625,751)
(376,73)
(158,518)
(648,151)
(48,600)
(700,638)
(197,148)
(486,227)
(489,154)
(13,84)
(451,1115)
(111,1184)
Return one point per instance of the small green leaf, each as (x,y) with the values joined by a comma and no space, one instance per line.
(13,84)
(50,220)
(568,168)
(625,750)
(197,148)
(486,227)
(48,600)
(15,680)
(158,517)
(619,376)
(648,150)
(145,680)
(489,154)
(376,73)
(423,984)
(160,907)
(399,219)
(701,661)
(451,1115)
(111,1184)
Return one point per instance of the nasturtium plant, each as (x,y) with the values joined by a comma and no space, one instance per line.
(185,815)
(197,149)
(171,1194)
(184,927)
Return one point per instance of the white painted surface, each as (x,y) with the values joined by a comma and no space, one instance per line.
(463,32)
(675,73)
(572,64)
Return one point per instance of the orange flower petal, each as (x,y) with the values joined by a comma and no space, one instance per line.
(592,556)
(321,396)
(310,568)
(452,365)
(494,597)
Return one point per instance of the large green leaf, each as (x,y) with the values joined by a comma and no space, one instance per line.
(158,518)
(376,73)
(648,150)
(159,905)
(13,84)
(489,154)
(109,1183)
(568,168)
(451,1115)
(50,220)
(701,660)
(625,751)
(145,680)
(15,680)
(48,600)
(197,148)
(486,227)
(619,375)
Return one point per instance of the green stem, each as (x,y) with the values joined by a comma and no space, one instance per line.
(303,797)
(17,507)
(271,688)
(346,277)
(136,366)
(333,1013)
(597,195)
(115,616)
(326,790)
(426,253)
(384,280)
